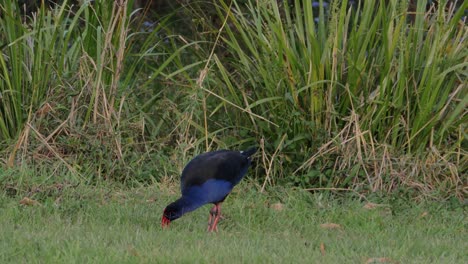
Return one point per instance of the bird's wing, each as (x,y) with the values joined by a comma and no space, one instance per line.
(228,166)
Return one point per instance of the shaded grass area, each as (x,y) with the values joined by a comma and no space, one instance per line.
(110,224)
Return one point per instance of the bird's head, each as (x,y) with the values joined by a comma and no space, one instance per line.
(171,213)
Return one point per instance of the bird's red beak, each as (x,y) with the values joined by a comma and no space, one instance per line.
(165,222)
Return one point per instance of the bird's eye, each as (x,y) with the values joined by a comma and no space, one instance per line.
(171,214)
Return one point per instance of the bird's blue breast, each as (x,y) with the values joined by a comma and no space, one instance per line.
(211,191)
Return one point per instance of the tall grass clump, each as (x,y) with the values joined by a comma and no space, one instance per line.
(75,85)
(342,96)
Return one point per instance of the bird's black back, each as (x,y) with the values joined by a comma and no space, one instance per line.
(225,165)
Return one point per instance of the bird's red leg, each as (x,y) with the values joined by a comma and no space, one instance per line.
(215,214)
(218,215)
(211,218)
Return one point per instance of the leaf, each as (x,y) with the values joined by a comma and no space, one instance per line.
(322,248)
(277,206)
(58,201)
(330,226)
(370,206)
(28,201)
(132,250)
(380,260)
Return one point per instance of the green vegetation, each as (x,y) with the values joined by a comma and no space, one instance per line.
(365,98)
(100,111)
(355,91)
(108,224)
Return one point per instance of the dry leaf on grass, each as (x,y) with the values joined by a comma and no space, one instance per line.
(58,201)
(380,260)
(322,248)
(132,251)
(151,200)
(277,206)
(330,226)
(370,206)
(28,201)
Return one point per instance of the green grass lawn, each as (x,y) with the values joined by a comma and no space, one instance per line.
(114,225)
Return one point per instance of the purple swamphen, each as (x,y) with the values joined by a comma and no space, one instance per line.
(208,178)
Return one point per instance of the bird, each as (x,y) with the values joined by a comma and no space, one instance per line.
(208,178)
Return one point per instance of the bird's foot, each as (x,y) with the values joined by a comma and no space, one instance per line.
(213,223)
(213,226)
